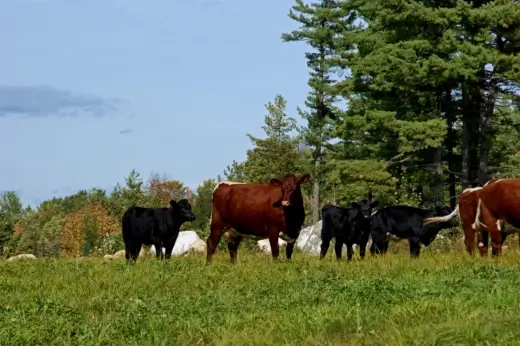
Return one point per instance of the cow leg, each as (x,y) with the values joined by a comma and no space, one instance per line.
(169,245)
(363,246)
(415,247)
(325,243)
(379,243)
(491,225)
(158,250)
(130,252)
(373,249)
(137,251)
(289,250)
(496,242)
(483,242)
(469,238)
(362,249)
(213,240)
(273,241)
(350,252)
(338,246)
(504,237)
(233,248)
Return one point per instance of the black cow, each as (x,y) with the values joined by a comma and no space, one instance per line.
(154,226)
(407,222)
(348,226)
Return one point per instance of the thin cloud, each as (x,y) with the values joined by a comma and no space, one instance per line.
(126,131)
(43,101)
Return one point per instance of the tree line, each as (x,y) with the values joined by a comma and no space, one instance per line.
(410,100)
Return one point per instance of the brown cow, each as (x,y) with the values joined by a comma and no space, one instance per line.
(257,211)
(467,208)
(499,200)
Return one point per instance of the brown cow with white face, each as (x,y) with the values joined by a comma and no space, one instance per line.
(498,205)
(467,211)
(257,211)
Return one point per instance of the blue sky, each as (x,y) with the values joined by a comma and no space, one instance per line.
(90,89)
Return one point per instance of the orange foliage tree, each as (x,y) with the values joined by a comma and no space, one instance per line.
(71,236)
(19,227)
(161,190)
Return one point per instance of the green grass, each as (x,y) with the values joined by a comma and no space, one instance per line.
(441,299)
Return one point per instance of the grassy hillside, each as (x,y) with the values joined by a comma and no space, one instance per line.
(437,299)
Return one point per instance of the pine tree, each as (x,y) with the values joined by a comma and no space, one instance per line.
(277,154)
(318,28)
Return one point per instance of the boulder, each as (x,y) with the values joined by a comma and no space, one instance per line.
(119,254)
(309,240)
(266,247)
(24,256)
(185,241)
(198,247)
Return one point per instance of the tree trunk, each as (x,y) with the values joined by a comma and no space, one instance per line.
(470,136)
(438,181)
(450,144)
(438,187)
(485,144)
(316,185)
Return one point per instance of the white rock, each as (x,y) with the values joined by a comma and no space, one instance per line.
(199,246)
(309,240)
(185,241)
(265,246)
(117,255)
(21,257)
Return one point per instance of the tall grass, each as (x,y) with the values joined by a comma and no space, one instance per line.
(436,299)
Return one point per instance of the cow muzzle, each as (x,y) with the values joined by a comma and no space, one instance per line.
(285,203)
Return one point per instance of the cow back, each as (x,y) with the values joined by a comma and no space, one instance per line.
(248,208)
(502,199)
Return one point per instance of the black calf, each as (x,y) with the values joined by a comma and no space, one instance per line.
(348,226)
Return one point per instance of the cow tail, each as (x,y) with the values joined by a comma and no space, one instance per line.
(446,218)
(477,222)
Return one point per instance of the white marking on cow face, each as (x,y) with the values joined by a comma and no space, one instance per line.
(286,238)
(481,244)
(498,225)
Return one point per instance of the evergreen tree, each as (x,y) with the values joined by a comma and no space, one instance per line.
(318,28)
(273,156)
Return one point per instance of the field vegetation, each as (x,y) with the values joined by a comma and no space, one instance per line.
(413,101)
(442,298)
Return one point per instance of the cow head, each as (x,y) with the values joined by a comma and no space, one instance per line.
(365,207)
(183,209)
(290,185)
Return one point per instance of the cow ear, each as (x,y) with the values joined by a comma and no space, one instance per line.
(304,178)
(355,205)
(173,203)
(374,204)
(275,181)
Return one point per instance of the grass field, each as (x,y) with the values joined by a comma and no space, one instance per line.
(442,299)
